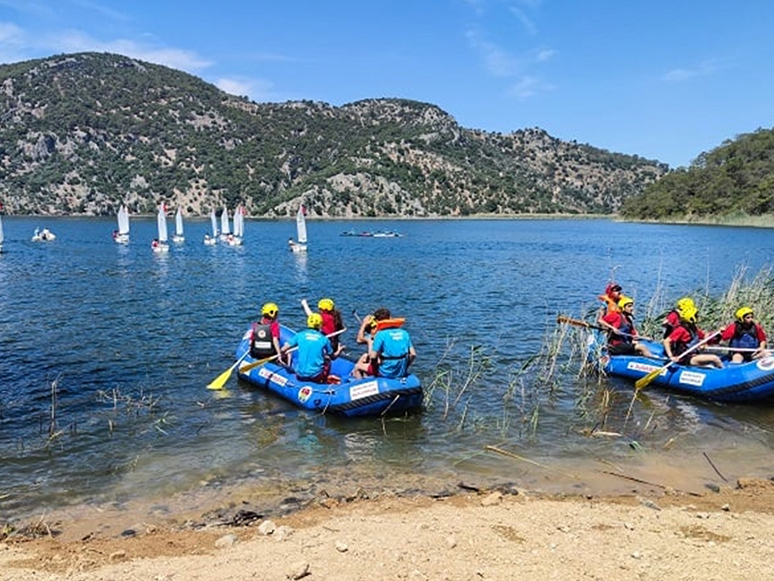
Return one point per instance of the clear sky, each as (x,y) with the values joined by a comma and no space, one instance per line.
(663,79)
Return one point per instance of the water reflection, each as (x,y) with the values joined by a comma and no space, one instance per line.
(300,260)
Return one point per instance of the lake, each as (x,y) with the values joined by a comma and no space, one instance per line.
(106,349)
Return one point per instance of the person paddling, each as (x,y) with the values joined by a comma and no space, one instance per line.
(265,334)
(672,320)
(314,351)
(622,334)
(684,337)
(747,335)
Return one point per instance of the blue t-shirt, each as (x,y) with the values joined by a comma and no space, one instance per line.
(393,345)
(313,346)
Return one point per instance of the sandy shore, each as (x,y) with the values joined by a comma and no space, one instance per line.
(648,534)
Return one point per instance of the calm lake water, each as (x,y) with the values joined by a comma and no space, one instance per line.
(105,352)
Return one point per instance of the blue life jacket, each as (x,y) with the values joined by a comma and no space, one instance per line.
(745,337)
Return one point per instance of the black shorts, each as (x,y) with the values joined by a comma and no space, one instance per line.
(621,349)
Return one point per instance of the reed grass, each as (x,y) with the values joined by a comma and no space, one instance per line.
(716,312)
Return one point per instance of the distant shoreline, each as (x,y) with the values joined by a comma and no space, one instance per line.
(352,218)
(764,221)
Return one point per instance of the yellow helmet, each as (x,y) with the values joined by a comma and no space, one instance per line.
(314,321)
(623,301)
(741,312)
(689,314)
(685,303)
(326,305)
(270,310)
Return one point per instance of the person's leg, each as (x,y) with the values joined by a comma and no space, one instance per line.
(707,359)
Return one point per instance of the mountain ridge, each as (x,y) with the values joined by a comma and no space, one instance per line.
(83,133)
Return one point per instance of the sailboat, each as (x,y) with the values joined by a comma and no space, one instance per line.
(239,226)
(160,244)
(2,236)
(225,229)
(179,236)
(121,236)
(44,235)
(211,240)
(300,245)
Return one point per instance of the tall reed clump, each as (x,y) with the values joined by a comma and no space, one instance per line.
(717,312)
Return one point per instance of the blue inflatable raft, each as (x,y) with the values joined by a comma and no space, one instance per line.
(737,382)
(370,396)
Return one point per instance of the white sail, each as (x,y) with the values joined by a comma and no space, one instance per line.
(211,240)
(301,225)
(123,220)
(179,222)
(162,224)
(121,236)
(239,222)
(225,229)
(214,222)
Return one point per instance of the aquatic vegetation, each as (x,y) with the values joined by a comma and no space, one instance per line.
(717,312)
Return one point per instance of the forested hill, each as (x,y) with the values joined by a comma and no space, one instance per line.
(734,179)
(82,133)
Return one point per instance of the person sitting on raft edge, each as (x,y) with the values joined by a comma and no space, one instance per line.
(622,334)
(684,337)
(392,351)
(315,351)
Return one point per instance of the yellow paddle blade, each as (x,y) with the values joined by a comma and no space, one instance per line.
(647,379)
(221,379)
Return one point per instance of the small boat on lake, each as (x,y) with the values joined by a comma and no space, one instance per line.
(212,240)
(225,227)
(179,236)
(369,234)
(121,236)
(44,235)
(370,396)
(161,244)
(386,234)
(748,382)
(300,244)
(363,233)
(239,227)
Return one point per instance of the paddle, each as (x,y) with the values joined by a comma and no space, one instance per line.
(580,323)
(647,379)
(260,362)
(221,379)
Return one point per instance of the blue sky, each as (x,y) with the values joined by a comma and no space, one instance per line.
(663,79)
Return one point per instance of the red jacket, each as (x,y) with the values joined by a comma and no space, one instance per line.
(620,321)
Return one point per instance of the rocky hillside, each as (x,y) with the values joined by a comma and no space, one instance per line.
(82,133)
